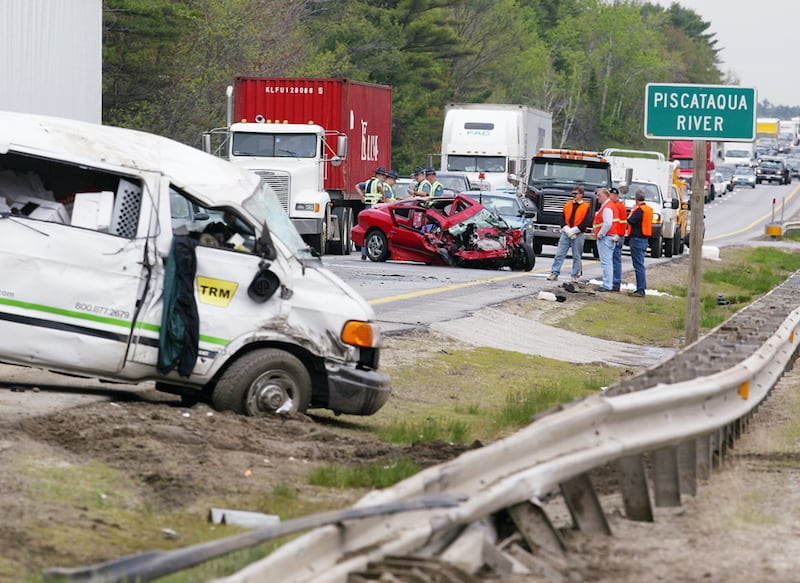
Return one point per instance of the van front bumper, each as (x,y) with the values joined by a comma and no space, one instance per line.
(357,392)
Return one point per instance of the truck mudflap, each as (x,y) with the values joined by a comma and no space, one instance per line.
(357,392)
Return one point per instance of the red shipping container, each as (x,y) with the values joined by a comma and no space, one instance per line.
(361,111)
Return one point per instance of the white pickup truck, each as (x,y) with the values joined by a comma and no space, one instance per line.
(129,257)
(656,177)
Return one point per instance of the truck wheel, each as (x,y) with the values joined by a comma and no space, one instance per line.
(377,245)
(344,218)
(319,241)
(537,247)
(655,247)
(593,249)
(264,382)
(669,247)
(678,244)
(524,258)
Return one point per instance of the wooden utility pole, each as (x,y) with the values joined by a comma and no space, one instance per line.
(696,241)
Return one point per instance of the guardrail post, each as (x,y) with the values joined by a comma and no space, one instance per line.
(687,467)
(535,527)
(632,477)
(703,445)
(666,483)
(584,506)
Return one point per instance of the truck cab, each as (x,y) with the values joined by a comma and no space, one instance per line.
(553,175)
(136,258)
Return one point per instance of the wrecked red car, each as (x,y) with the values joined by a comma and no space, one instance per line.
(453,230)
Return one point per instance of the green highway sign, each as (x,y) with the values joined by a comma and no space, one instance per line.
(700,112)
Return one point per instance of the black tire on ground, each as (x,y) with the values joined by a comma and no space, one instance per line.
(264,382)
(344,218)
(655,247)
(377,245)
(669,247)
(524,258)
(677,241)
(537,247)
(591,247)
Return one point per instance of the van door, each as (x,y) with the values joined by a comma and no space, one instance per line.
(225,268)
(71,280)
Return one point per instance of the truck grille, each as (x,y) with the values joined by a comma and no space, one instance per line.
(554,203)
(279,181)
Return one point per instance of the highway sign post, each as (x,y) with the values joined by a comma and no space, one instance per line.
(700,112)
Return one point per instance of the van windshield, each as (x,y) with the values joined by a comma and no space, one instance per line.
(264,206)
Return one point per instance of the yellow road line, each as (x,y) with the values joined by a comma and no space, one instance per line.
(759,219)
(455,286)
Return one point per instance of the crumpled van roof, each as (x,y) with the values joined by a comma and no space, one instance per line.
(109,147)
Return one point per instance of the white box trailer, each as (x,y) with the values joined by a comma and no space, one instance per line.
(52,58)
(489,141)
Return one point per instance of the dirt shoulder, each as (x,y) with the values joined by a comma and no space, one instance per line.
(119,471)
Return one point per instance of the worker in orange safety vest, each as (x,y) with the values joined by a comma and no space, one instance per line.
(640,228)
(618,234)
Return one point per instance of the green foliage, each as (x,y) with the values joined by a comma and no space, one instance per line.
(426,431)
(372,475)
(167,62)
(521,406)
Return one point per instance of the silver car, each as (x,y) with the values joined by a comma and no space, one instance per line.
(744,175)
(519,212)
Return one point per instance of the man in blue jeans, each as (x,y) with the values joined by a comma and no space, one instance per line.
(640,223)
(601,226)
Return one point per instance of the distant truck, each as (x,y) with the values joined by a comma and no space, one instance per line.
(682,151)
(737,153)
(553,175)
(768,127)
(658,179)
(490,141)
(312,140)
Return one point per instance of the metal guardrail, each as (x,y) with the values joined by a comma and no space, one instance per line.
(686,426)
(441,521)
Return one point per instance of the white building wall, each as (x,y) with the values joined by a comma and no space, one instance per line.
(51,57)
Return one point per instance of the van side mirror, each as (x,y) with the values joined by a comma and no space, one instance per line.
(265,246)
(675,203)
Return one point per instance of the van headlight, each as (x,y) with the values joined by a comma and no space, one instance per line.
(358,333)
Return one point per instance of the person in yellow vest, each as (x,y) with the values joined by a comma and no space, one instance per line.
(419,177)
(373,192)
(601,226)
(572,237)
(388,186)
(640,228)
(430,186)
(618,234)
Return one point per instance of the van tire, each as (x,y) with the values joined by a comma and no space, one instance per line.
(263,381)
(669,247)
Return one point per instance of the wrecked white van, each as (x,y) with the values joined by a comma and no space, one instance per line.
(130,257)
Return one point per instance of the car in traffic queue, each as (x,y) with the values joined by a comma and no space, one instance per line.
(727,175)
(517,211)
(443,230)
(744,175)
(718,183)
(771,170)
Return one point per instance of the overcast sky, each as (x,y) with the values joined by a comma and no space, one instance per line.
(757,41)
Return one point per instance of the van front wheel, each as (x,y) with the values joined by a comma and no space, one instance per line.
(264,382)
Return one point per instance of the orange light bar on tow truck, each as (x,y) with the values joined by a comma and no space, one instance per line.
(572,154)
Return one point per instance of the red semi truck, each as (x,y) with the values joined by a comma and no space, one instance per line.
(682,151)
(312,140)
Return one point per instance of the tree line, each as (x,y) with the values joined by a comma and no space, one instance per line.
(166,63)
